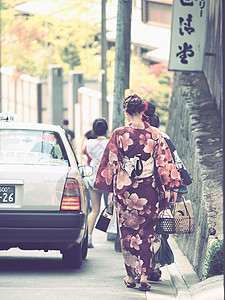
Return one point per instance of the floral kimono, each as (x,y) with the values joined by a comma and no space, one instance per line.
(137,196)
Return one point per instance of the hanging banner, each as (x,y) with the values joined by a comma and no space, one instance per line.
(188,33)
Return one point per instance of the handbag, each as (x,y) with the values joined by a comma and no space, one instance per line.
(183,217)
(104,219)
(164,255)
(112,228)
(185,177)
(165,222)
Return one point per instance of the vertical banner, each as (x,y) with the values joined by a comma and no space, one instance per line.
(188,33)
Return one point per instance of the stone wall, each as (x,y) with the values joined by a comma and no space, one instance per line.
(194,126)
(213,66)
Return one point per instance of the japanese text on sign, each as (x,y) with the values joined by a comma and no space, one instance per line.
(188,35)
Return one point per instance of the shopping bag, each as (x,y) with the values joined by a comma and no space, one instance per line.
(104,219)
(183,217)
(179,208)
(112,228)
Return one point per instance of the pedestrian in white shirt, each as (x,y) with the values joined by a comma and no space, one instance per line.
(95,149)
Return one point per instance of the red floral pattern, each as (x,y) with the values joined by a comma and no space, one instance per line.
(135,242)
(108,173)
(131,219)
(149,146)
(137,198)
(125,141)
(134,202)
(123,180)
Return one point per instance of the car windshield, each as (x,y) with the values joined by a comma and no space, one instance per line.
(31,147)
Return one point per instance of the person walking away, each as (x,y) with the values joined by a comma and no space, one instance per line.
(86,158)
(69,132)
(88,135)
(137,168)
(150,117)
(162,252)
(95,149)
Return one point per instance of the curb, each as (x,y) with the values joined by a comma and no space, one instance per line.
(178,282)
(181,272)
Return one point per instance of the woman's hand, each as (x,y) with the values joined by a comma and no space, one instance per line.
(173,197)
(167,196)
(110,199)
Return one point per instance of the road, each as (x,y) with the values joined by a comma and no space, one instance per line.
(36,275)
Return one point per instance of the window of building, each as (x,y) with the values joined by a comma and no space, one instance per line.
(156,11)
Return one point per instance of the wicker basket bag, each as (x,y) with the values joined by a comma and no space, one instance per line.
(165,223)
(183,218)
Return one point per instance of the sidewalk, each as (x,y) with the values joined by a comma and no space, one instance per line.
(178,282)
(186,282)
(111,272)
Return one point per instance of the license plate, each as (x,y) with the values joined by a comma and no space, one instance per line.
(7,194)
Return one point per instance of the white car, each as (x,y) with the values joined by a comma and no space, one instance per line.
(43,195)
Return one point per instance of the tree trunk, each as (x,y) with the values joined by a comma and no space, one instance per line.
(122,60)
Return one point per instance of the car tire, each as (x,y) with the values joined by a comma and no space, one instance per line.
(85,247)
(72,257)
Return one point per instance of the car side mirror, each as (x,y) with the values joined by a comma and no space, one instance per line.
(86,171)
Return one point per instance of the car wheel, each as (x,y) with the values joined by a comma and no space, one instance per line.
(85,247)
(72,257)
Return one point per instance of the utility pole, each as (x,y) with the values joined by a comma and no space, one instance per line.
(104,62)
(122,60)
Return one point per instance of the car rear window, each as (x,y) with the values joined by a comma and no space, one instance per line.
(31,147)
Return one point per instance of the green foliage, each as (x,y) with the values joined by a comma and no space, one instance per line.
(70,37)
(9,3)
(70,56)
(164,79)
(32,42)
(214,259)
(152,83)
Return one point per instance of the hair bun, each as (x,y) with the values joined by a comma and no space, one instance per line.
(150,110)
(133,104)
(100,126)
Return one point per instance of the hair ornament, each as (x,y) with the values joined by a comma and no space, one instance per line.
(146,105)
(147,117)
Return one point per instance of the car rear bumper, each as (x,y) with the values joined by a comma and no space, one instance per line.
(43,230)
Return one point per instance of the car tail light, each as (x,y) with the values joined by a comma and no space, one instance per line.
(71,195)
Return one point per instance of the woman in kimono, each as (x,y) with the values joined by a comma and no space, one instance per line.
(137,168)
(163,254)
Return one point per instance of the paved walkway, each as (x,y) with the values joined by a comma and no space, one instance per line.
(179,281)
(114,271)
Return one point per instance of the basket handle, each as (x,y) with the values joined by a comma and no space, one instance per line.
(179,211)
(187,213)
(182,197)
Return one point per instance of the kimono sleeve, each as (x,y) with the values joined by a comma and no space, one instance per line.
(165,168)
(108,166)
